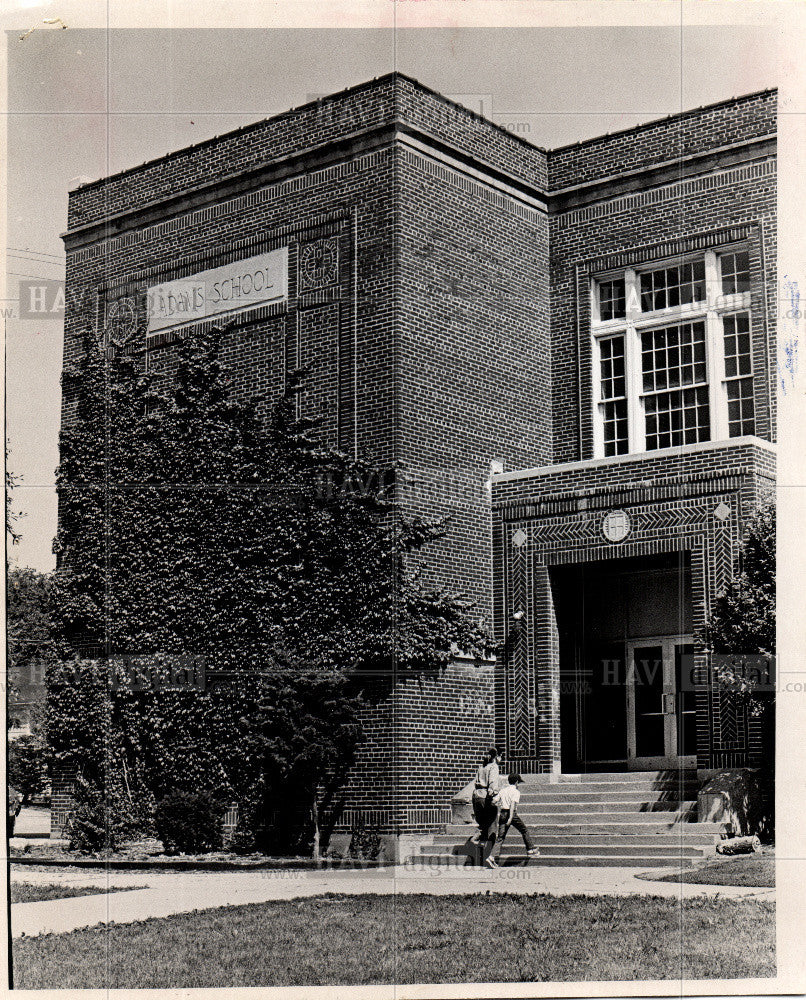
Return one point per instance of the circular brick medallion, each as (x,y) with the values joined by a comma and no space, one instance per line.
(616,525)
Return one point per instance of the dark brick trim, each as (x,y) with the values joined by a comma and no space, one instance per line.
(227,252)
(669,119)
(231,186)
(682,247)
(657,175)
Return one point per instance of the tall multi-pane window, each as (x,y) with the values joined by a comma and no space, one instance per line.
(673,353)
(739,375)
(735,272)
(614,395)
(665,287)
(675,385)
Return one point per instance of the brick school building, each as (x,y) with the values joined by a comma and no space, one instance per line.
(572,351)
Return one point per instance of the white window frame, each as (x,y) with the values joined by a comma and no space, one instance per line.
(711,312)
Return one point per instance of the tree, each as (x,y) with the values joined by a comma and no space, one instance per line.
(28,623)
(27,767)
(12,516)
(741,628)
(28,635)
(304,728)
(190,523)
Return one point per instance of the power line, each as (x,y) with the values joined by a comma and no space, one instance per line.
(48,257)
(41,253)
(37,260)
(40,277)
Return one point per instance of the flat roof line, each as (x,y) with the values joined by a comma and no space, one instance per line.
(687,113)
(355,88)
(381,80)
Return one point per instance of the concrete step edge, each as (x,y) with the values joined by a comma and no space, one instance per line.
(576,861)
(572,850)
(627,839)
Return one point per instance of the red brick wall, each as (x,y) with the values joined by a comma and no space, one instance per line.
(61,800)
(673,501)
(351,203)
(432,733)
(371,105)
(693,132)
(367,106)
(472,355)
(462,129)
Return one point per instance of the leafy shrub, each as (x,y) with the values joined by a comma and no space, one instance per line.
(243,841)
(299,647)
(365,843)
(190,822)
(102,819)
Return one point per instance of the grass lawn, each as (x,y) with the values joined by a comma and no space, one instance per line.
(348,940)
(22,892)
(744,869)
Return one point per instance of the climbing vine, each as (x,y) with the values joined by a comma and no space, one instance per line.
(198,526)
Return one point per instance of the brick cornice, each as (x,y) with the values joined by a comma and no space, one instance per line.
(203,195)
(358,144)
(622,494)
(330,154)
(658,174)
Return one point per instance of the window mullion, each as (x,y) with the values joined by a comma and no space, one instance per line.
(715,362)
(636,431)
(713,287)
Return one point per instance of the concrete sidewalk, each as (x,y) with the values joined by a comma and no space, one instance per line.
(161,894)
(33,822)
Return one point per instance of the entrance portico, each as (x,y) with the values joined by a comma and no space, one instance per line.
(626,663)
(604,575)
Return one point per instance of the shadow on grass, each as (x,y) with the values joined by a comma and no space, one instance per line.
(22,892)
(750,870)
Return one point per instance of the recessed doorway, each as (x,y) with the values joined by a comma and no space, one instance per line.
(626,651)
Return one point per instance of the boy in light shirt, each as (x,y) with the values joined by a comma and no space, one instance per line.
(507,801)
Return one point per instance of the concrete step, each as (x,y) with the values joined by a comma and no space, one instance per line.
(686,774)
(584,848)
(646,824)
(605,805)
(425,862)
(609,787)
(604,781)
(585,836)
(667,820)
(620,793)
(636,819)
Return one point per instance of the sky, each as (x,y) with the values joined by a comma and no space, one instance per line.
(83,104)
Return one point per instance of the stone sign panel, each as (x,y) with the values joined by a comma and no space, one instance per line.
(255,281)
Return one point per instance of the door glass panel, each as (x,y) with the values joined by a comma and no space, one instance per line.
(605,703)
(649,728)
(686,702)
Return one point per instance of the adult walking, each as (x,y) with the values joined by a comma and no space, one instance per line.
(485,812)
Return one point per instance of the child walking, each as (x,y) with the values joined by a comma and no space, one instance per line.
(507,802)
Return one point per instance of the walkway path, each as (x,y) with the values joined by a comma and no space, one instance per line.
(161,894)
